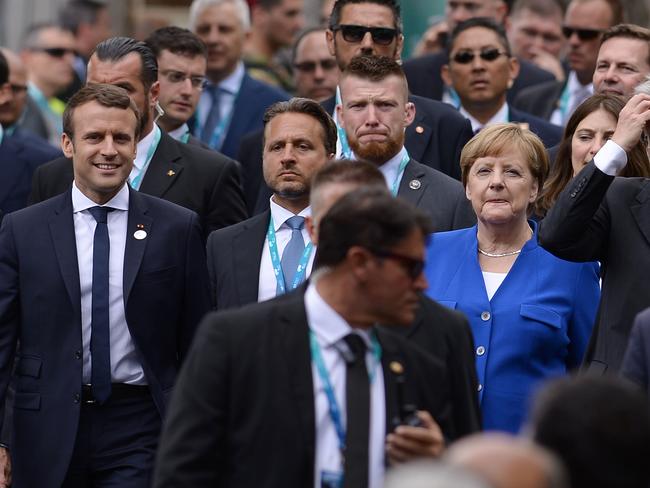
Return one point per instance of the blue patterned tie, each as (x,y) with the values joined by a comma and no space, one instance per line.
(214,115)
(293,251)
(100,341)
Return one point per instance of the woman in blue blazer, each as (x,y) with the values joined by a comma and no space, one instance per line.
(531,313)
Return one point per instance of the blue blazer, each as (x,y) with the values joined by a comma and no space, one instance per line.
(166,293)
(20,154)
(252,101)
(535,327)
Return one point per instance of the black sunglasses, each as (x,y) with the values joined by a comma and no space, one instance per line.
(55,52)
(355,33)
(310,66)
(583,34)
(412,266)
(487,54)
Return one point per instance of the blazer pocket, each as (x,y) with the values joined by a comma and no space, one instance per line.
(29,366)
(152,276)
(541,314)
(27,401)
(448,304)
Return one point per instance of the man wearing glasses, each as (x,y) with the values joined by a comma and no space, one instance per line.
(438,133)
(481,69)
(315,70)
(48,54)
(181,73)
(584,23)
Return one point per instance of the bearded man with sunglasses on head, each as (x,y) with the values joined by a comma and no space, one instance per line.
(481,69)
(584,23)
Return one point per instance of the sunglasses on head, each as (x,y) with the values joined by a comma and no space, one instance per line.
(310,66)
(583,34)
(55,52)
(412,266)
(487,54)
(355,33)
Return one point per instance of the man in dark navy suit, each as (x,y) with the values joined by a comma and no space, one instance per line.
(101,289)
(481,69)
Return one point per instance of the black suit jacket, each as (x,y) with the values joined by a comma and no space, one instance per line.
(550,134)
(423,75)
(601,218)
(243,412)
(201,180)
(165,297)
(636,362)
(540,100)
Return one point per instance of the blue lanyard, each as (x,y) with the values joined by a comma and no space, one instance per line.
(333,406)
(135,183)
(275,260)
(218,136)
(185,137)
(346,152)
(400,171)
(564,102)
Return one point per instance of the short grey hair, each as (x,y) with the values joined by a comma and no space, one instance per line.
(643,87)
(242,8)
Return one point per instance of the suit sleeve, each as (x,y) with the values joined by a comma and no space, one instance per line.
(636,362)
(585,304)
(463,136)
(191,451)
(577,227)
(197,289)
(9,312)
(227,205)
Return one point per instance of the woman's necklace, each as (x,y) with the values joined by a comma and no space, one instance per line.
(498,255)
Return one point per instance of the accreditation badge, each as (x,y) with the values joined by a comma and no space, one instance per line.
(331,479)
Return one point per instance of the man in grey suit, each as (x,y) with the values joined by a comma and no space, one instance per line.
(374,112)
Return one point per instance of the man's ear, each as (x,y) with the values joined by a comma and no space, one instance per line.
(409,116)
(311,229)
(66,146)
(339,115)
(445,75)
(331,45)
(154,92)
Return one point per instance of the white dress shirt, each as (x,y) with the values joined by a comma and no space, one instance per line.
(330,329)
(611,158)
(229,89)
(267,283)
(125,366)
(577,94)
(142,150)
(179,132)
(391,167)
(501,117)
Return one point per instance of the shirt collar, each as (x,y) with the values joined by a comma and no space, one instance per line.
(81,202)
(232,82)
(179,132)
(498,118)
(329,327)
(389,168)
(280,214)
(575,86)
(143,147)
(1,134)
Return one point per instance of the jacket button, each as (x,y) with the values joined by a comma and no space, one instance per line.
(485,316)
(480,350)
(77,354)
(480,387)
(76,398)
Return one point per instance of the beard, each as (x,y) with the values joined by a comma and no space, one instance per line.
(377,152)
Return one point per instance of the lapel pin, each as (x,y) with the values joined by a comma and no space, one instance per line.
(396,367)
(140,226)
(419,129)
(414,184)
(171,172)
(139,234)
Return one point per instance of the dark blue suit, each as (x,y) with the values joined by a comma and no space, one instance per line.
(550,134)
(165,289)
(253,99)
(636,362)
(20,154)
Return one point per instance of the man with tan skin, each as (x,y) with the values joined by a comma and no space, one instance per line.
(315,71)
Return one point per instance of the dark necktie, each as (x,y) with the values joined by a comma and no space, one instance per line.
(100,341)
(214,115)
(357,394)
(293,251)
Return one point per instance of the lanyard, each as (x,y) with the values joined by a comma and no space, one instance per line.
(218,136)
(135,183)
(275,259)
(333,406)
(400,171)
(346,152)
(1,134)
(564,102)
(185,137)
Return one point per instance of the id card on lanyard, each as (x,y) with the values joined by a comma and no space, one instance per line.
(299,277)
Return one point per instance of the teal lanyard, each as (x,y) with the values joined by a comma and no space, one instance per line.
(218,136)
(400,171)
(135,183)
(346,152)
(564,103)
(333,406)
(1,135)
(185,137)
(277,267)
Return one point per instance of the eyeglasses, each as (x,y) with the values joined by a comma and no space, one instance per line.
(488,54)
(583,34)
(412,266)
(310,66)
(55,52)
(175,77)
(355,33)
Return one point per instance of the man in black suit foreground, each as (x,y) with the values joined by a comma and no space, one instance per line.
(602,218)
(201,180)
(276,393)
(374,111)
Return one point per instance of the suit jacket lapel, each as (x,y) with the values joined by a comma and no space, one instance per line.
(134,250)
(65,246)
(413,185)
(164,168)
(295,333)
(391,359)
(641,211)
(247,257)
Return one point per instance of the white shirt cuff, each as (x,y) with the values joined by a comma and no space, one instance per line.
(611,158)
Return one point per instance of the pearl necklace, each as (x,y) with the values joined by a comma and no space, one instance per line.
(498,255)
